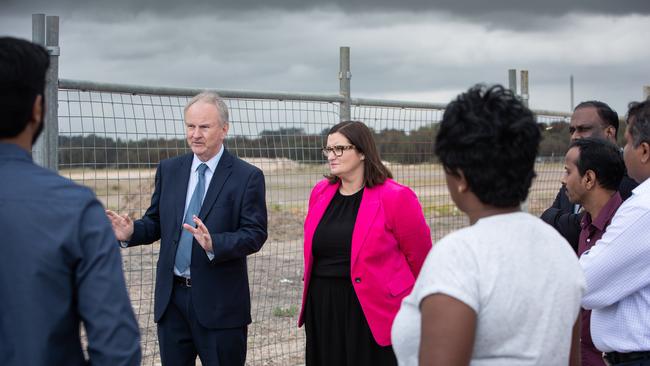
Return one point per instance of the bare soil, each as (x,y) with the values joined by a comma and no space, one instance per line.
(275,273)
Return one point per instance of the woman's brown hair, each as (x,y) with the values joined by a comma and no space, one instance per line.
(359,135)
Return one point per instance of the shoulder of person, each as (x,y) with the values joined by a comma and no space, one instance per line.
(176,160)
(626,186)
(457,243)
(240,164)
(321,186)
(245,166)
(392,190)
(64,189)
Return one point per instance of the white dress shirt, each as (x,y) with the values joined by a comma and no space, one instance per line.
(617,270)
(194,179)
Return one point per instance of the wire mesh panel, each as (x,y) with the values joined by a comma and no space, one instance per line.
(112,141)
(550,162)
(405,138)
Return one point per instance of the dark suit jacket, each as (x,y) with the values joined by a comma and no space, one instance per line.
(59,266)
(234,211)
(560,215)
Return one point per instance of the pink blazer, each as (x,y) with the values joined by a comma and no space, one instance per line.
(390,241)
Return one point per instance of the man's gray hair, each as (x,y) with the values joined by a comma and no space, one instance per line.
(211,98)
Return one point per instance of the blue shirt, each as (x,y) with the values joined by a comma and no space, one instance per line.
(191,185)
(59,266)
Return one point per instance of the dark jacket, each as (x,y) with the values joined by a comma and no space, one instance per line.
(234,211)
(59,266)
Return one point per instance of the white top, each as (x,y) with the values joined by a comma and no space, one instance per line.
(617,269)
(521,278)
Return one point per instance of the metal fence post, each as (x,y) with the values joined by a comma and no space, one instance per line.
(344,83)
(524,87)
(646,92)
(45,31)
(52,93)
(38,36)
(512,80)
(571,90)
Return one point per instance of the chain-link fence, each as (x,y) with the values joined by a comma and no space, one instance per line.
(111,138)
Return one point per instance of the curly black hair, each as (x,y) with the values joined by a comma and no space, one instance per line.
(490,136)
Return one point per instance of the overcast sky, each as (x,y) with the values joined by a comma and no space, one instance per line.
(416,50)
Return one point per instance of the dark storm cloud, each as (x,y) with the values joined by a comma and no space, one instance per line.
(477,8)
(404,50)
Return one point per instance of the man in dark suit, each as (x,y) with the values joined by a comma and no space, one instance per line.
(208,209)
(589,119)
(59,265)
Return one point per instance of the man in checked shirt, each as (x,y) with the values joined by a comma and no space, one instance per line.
(616,267)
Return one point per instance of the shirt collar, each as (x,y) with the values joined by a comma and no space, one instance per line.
(13,150)
(643,188)
(607,212)
(212,163)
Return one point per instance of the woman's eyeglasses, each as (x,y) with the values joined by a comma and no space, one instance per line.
(336,149)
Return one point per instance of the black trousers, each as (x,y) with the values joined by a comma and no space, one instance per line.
(336,329)
(182,337)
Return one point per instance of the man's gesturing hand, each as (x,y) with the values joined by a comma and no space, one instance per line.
(122,225)
(200,233)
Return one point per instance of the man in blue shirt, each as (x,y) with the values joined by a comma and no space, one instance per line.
(59,265)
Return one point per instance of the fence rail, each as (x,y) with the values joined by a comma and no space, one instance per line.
(111,137)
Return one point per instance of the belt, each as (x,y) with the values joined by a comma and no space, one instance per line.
(618,357)
(183,281)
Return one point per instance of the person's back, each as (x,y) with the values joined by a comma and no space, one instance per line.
(60,264)
(55,237)
(529,285)
(505,290)
(519,276)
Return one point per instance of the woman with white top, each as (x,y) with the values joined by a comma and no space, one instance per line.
(505,290)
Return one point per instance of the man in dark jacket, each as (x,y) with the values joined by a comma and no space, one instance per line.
(59,265)
(590,119)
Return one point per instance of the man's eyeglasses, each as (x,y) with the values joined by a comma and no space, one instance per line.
(337,149)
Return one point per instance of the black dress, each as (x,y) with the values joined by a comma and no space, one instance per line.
(336,329)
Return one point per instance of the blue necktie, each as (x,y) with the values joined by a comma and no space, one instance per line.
(184,250)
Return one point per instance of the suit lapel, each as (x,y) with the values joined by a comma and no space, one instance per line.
(367,212)
(180,188)
(219,178)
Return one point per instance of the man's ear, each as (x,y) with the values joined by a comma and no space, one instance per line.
(37,113)
(589,179)
(463,186)
(610,131)
(644,149)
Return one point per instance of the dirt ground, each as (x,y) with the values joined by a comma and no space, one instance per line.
(275,273)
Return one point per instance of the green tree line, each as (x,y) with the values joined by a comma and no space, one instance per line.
(292,143)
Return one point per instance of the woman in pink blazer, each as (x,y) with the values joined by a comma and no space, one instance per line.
(365,242)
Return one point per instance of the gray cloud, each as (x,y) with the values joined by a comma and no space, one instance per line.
(429,56)
(477,8)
